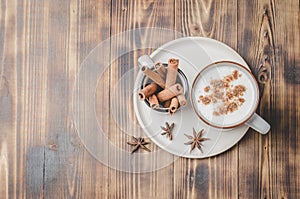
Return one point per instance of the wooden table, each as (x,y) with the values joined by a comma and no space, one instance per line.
(43,43)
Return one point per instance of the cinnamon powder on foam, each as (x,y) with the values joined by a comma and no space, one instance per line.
(222,91)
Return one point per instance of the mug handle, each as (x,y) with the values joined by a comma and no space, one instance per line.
(259,124)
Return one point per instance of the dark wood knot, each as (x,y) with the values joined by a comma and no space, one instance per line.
(266,58)
(196,28)
(263,74)
(53,146)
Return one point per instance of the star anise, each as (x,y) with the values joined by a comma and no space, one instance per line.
(196,140)
(168,130)
(138,142)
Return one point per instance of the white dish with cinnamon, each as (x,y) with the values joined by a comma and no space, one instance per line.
(194,53)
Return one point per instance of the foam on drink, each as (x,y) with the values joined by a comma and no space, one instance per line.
(225,94)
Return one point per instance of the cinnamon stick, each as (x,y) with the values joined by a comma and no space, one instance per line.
(160,69)
(167,103)
(153,101)
(170,92)
(147,91)
(154,76)
(173,106)
(181,99)
(171,72)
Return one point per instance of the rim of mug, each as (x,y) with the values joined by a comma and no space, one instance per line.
(255,84)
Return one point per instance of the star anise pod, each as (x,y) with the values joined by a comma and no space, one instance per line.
(138,142)
(196,140)
(168,130)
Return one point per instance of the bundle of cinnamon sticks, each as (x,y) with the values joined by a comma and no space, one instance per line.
(163,90)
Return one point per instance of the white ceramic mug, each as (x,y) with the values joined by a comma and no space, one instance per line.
(244,112)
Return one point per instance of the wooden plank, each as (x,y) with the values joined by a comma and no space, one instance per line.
(58,151)
(213,177)
(285,101)
(32,94)
(255,45)
(90,21)
(12,139)
(128,15)
(75,28)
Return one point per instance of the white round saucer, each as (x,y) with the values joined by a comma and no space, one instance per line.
(193,53)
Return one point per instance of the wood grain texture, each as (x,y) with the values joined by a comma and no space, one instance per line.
(43,43)
(257,48)
(285,101)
